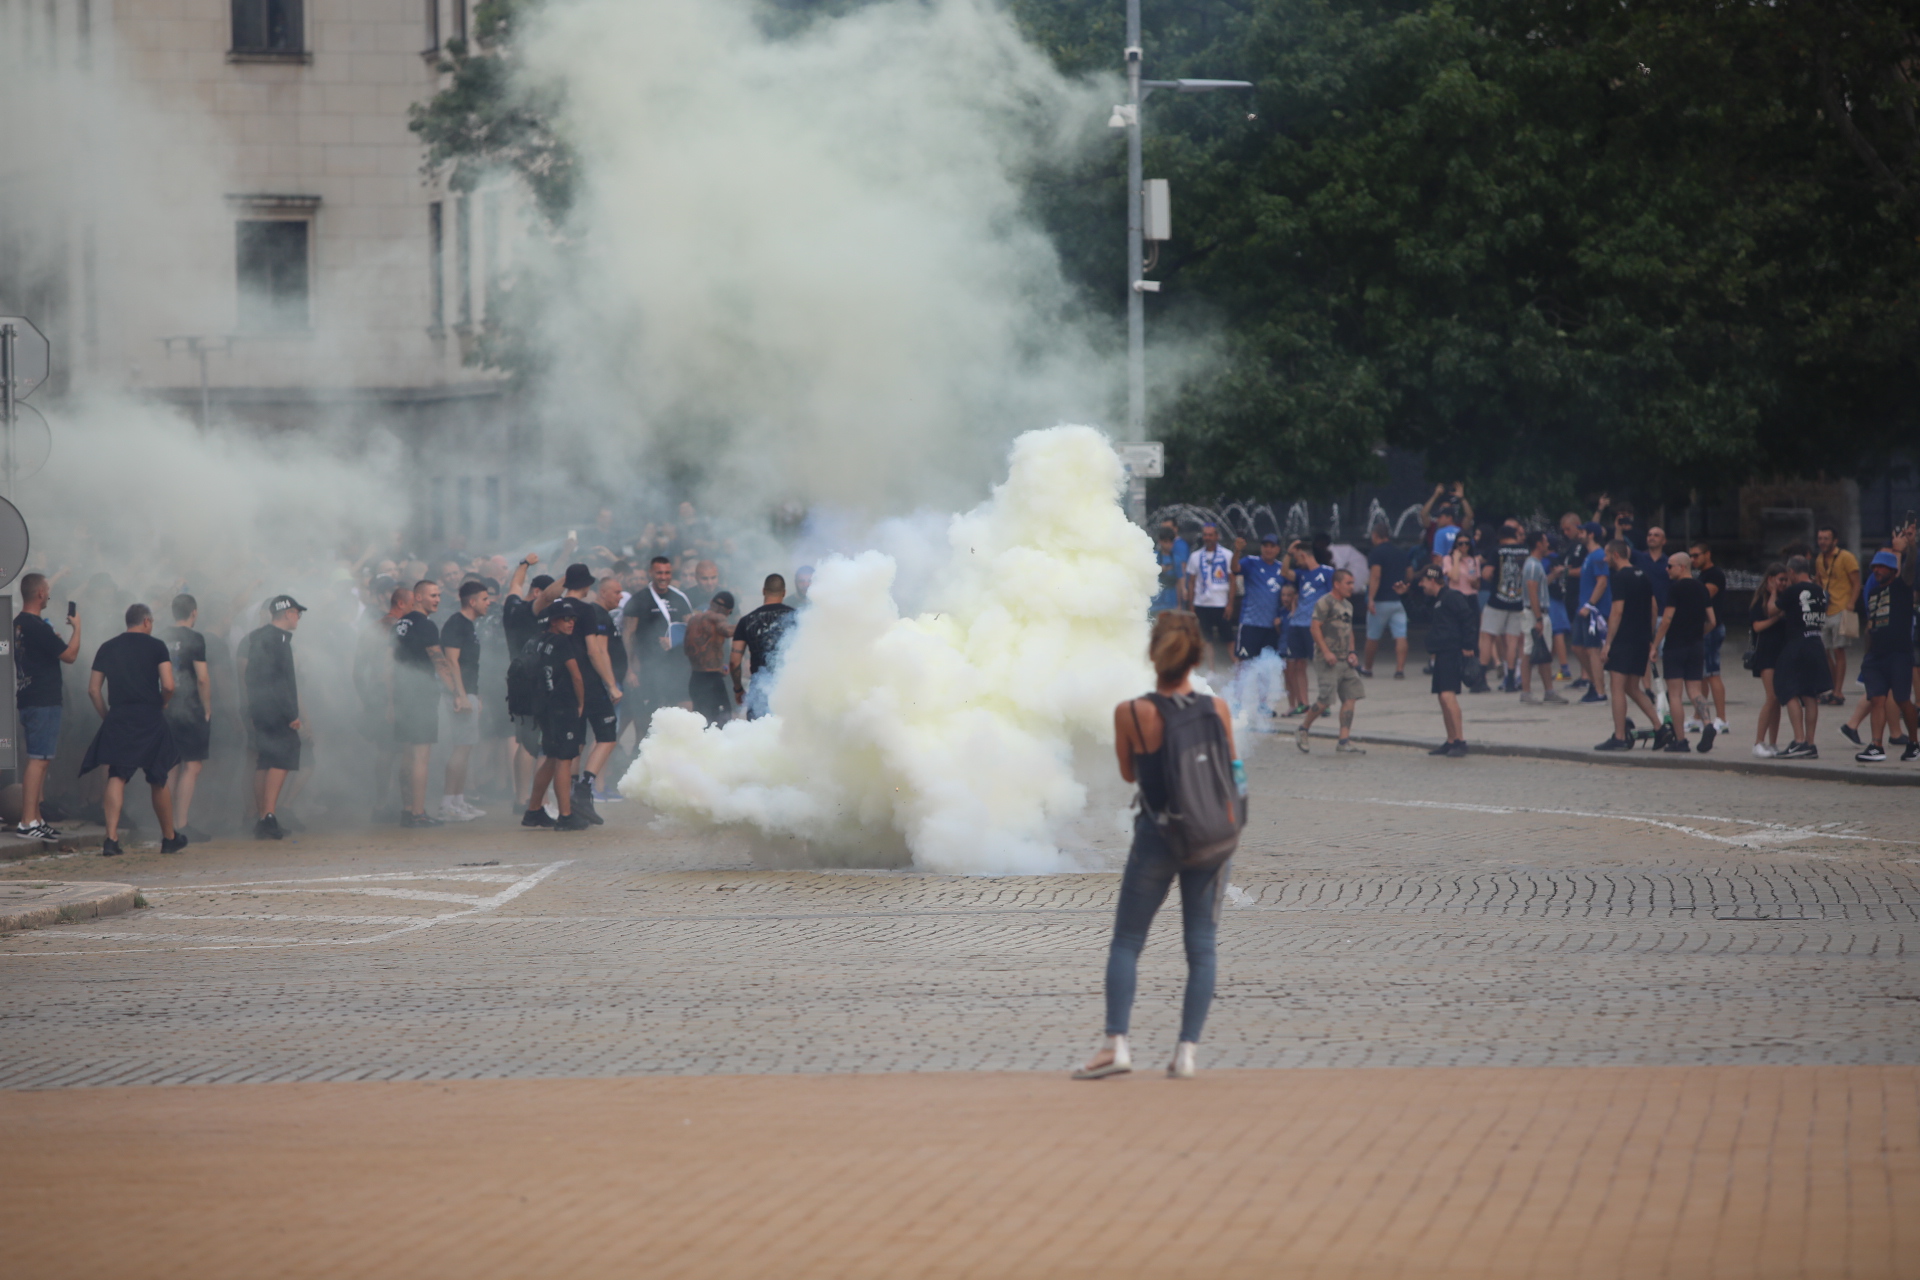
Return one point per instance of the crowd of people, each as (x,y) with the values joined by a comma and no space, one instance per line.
(524,687)
(1591,607)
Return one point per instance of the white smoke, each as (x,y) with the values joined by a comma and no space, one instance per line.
(953,730)
(809,270)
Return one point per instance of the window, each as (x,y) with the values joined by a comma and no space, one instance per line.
(463,258)
(460,20)
(433,28)
(492,530)
(271,260)
(270,28)
(436,268)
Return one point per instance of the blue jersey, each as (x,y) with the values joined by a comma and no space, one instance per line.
(1260,606)
(1311,584)
(1591,571)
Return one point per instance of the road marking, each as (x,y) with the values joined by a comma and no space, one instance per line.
(412,924)
(1769,833)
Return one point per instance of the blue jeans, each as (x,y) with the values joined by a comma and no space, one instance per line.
(1151,869)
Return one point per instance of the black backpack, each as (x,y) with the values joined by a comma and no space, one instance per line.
(1205,810)
(523,680)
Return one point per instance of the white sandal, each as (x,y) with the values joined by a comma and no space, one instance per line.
(1118,1065)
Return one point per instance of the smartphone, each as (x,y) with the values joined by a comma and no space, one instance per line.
(72,608)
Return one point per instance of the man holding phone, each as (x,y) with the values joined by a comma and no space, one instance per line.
(37,655)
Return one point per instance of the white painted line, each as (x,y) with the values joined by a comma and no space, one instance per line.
(1769,833)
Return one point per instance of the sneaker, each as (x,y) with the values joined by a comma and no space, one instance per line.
(1593,695)
(1692,727)
(471,813)
(1581,683)
(456,809)
(1832,700)
(268,828)
(1345,747)
(1871,755)
(572,822)
(1444,749)
(1911,753)
(419,820)
(1553,699)
(1300,738)
(1528,699)
(1616,744)
(536,818)
(1720,726)
(583,809)
(1808,752)
(1707,736)
(1565,673)
(1399,675)
(36,831)
(1663,737)
(1763,751)
(1457,748)
(1851,734)
(1677,747)
(1366,672)
(176,845)
(110,849)
(1797,751)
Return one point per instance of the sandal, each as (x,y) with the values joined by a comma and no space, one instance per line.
(1119,1062)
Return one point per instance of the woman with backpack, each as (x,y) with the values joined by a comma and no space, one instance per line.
(1177,745)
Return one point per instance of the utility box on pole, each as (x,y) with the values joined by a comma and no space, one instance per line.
(1157,211)
(1144,460)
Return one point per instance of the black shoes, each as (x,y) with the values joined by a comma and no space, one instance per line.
(268,828)
(176,845)
(1616,744)
(1870,754)
(1851,734)
(1707,736)
(110,849)
(536,818)
(572,822)
(1457,748)
(419,820)
(583,803)
(1445,748)
(1911,753)
(1677,747)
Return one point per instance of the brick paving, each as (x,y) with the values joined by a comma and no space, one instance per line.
(1471,1173)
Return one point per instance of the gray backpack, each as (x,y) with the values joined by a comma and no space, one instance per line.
(1205,810)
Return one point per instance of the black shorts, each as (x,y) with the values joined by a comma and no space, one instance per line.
(561,733)
(133,740)
(1802,670)
(1684,661)
(1888,670)
(600,715)
(1299,642)
(711,697)
(1213,623)
(192,737)
(416,713)
(1255,641)
(1446,672)
(1629,657)
(276,747)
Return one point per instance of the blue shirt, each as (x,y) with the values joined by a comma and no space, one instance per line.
(1260,606)
(1592,569)
(1657,579)
(1311,584)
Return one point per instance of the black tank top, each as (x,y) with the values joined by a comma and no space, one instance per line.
(1150,767)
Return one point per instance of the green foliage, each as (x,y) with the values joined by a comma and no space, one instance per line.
(1646,248)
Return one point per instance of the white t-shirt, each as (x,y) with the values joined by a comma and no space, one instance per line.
(1354,561)
(1212,573)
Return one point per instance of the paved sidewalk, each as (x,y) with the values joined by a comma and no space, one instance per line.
(1471,1173)
(32,904)
(1405,713)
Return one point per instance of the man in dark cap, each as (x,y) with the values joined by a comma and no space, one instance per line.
(709,647)
(137,673)
(593,636)
(273,705)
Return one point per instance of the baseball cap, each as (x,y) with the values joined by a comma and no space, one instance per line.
(1265,538)
(1592,527)
(578,576)
(280,604)
(562,608)
(724,599)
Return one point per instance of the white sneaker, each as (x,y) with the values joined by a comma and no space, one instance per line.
(1764,751)
(1183,1067)
(467,812)
(452,811)
(1720,726)
(1693,726)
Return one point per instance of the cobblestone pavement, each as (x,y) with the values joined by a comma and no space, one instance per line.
(1479,1174)
(1389,910)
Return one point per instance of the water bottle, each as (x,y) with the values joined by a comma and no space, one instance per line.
(1240,778)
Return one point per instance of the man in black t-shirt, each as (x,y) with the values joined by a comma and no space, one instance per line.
(1628,652)
(1388,580)
(1450,635)
(757,639)
(190,712)
(273,710)
(460,706)
(37,655)
(420,672)
(1503,621)
(1887,669)
(561,701)
(1681,642)
(137,675)
(1802,673)
(1714,579)
(521,624)
(594,637)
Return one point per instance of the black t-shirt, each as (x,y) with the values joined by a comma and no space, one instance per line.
(1766,644)
(1392,561)
(272,696)
(185,646)
(762,631)
(131,662)
(592,620)
(1889,616)
(650,624)
(458,633)
(1717,580)
(1687,597)
(1805,605)
(413,635)
(553,686)
(1509,579)
(36,662)
(517,623)
(1450,629)
(1635,598)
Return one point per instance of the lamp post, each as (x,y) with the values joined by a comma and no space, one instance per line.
(1127,116)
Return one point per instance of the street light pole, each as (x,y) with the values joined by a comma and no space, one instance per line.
(1128,115)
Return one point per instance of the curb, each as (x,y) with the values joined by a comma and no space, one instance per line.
(1652,760)
(35,904)
(75,839)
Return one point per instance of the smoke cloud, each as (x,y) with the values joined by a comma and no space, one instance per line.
(953,730)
